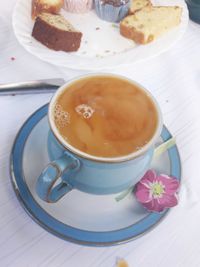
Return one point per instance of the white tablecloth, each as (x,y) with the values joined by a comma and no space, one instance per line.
(174,79)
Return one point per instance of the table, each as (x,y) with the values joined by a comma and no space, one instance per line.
(174,79)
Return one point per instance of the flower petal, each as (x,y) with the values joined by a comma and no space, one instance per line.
(168,200)
(140,186)
(149,177)
(171,184)
(149,205)
(154,206)
(155,201)
(142,194)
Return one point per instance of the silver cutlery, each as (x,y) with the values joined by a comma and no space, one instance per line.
(31,87)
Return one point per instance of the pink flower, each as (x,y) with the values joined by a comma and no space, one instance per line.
(157,192)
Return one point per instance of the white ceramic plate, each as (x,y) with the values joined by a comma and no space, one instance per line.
(102,46)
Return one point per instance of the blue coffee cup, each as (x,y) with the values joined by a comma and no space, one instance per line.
(70,168)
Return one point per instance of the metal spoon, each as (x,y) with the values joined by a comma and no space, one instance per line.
(31,87)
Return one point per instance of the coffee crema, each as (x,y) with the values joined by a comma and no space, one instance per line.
(105,116)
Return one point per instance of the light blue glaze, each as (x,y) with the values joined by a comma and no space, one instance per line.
(64,166)
(67,232)
(90,176)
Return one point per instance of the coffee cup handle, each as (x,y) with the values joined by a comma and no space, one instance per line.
(48,186)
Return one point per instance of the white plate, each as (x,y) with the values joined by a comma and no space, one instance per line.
(102,46)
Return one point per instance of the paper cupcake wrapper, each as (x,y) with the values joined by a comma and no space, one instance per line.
(111,13)
(78,6)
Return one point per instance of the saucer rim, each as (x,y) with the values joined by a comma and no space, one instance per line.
(67,232)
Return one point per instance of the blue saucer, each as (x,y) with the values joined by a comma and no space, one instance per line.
(79,217)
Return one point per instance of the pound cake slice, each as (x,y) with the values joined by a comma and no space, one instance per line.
(49,6)
(148,23)
(55,32)
(138,4)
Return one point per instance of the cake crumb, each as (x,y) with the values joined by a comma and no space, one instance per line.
(121,263)
(99,56)
(114,25)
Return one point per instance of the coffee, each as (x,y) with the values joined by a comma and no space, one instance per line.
(105,116)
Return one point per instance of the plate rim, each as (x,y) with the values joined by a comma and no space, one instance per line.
(98,66)
(90,238)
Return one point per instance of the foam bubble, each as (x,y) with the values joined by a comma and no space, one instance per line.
(85,110)
(62,118)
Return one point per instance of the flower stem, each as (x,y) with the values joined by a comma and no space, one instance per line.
(158,152)
(124,194)
(164,146)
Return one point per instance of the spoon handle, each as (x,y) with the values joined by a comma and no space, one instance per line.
(31,87)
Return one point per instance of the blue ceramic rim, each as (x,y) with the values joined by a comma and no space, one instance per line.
(90,238)
(192,4)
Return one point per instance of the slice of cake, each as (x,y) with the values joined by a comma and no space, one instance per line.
(148,23)
(50,6)
(55,32)
(138,4)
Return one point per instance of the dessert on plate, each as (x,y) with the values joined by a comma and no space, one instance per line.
(49,6)
(148,23)
(138,4)
(112,10)
(55,32)
(78,6)
(139,20)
